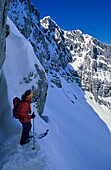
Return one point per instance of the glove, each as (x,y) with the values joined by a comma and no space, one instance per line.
(33,116)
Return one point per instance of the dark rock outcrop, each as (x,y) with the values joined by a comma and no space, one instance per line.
(4,6)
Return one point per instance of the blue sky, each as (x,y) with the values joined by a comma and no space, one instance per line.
(91,17)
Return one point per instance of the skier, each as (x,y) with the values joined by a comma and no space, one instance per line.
(25,117)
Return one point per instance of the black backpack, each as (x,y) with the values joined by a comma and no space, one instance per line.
(16,109)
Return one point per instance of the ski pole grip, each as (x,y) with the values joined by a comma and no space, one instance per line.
(33,115)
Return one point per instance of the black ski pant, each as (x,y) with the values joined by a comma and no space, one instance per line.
(26,127)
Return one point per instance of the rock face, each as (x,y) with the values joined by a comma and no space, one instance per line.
(4,29)
(56,48)
(91,59)
(4,6)
(5,127)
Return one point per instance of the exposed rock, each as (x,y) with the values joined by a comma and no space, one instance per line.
(90,58)
(4,6)
(40,94)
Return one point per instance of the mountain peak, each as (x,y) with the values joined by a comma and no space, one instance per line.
(47,17)
(48,23)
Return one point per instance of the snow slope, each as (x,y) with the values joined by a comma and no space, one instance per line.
(22,57)
(103,111)
(78,138)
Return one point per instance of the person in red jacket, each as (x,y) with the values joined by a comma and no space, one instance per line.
(25,117)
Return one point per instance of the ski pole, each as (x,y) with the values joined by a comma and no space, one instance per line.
(33,136)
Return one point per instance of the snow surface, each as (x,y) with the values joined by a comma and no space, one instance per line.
(78,139)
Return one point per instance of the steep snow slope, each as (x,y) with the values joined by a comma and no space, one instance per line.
(22,57)
(78,138)
(103,111)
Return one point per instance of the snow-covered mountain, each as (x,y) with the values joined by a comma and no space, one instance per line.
(91,61)
(90,58)
(78,138)
(56,48)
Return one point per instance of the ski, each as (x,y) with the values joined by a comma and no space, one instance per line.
(43,134)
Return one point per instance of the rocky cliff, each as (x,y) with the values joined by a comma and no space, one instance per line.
(4,6)
(91,59)
(56,48)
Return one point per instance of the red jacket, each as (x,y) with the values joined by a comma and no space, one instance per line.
(25,109)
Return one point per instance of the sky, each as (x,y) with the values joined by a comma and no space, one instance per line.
(91,17)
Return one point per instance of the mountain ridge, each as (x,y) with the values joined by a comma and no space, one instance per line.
(86,52)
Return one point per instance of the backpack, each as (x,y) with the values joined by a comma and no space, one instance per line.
(16,103)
